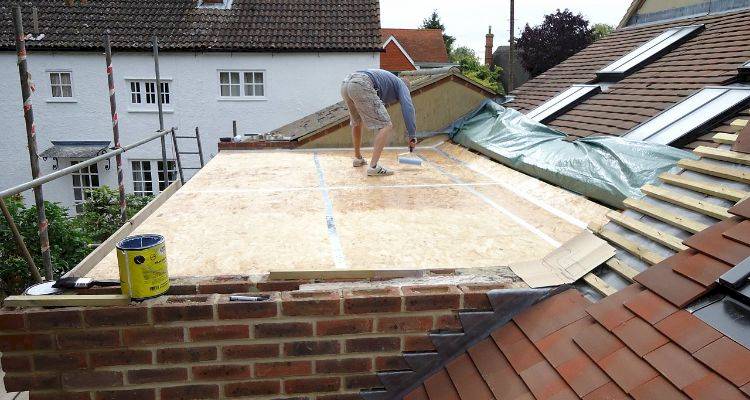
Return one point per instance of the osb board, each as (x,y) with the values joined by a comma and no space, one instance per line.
(253,212)
(435,108)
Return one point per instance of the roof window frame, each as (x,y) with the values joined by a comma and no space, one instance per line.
(563,101)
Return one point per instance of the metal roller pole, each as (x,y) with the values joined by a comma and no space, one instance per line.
(28,115)
(155,45)
(115,128)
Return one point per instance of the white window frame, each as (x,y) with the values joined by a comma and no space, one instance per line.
(143,95)
(243,93)
(81,174)
(51,98)
(155,176)
(146,177)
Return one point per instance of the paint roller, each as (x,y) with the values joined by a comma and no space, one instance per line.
(409,158)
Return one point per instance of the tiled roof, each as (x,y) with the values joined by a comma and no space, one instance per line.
(249,25)
(710,58)
(423,45)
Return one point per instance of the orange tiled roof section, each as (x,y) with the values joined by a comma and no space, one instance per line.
(423,45)
(637,343)
(710,58)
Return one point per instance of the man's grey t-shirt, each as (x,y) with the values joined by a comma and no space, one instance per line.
(391,88)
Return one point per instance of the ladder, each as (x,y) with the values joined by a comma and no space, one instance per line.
(180,168)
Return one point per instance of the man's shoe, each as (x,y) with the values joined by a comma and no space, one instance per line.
(379,171)
(359,162)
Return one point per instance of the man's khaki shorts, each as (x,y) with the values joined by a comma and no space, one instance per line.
(363,102)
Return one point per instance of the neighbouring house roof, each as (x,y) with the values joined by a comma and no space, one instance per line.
(710,58)
(247,25)
(76,149)
(422,45)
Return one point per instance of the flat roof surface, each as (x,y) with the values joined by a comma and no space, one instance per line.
(251,212)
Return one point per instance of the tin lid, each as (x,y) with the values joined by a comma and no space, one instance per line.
(140,242)
(41,289)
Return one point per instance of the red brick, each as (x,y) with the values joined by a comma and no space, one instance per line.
(365,301)
(344,326)
(373,345)
(311,348)
(475,295)
(116,316)
(15,364)
(248,309)
(185,355)
(341,396)
(390,363)
(141,376)
(224,287)
(59,361)
(254,388)
(283,369)
(220,332)
(362,382)
(422,298)
(40,381)
(182,289)
(190,392)
(448,322)
(60,396)
(164,313)
(310,303)
(151,336)
(418,343)
(91,379)
(280,286)
(285,329)
(127,394)
(404,324)
(25,342)
(54,319)
(222,372)
(312,385)
(88,339)
(343,366)
(11,321)
(250,351)
(120,357)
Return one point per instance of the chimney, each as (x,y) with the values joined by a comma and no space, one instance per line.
(488,47)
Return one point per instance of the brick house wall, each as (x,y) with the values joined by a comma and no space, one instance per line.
(324,345)
(393,59)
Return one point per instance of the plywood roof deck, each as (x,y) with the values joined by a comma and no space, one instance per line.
(261,211)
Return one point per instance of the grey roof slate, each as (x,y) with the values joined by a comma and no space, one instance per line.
(248,25)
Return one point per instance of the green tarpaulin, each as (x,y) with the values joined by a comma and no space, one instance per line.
(608,169)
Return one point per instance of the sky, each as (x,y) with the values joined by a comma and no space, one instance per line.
(468,20)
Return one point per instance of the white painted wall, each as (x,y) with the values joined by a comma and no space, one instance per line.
(297,84)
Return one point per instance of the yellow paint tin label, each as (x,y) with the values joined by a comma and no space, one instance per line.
(142,261)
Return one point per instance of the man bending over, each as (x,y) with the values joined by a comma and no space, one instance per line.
(366,93)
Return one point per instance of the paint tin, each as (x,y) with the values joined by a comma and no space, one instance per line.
(142,261)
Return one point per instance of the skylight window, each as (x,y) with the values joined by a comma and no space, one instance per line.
(647,52)
(216,4)
(690,115)
(562,102)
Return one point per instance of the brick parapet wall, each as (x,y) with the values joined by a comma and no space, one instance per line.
(324,345)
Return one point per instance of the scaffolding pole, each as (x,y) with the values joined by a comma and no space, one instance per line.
(511,46)
(115,128)
(28,114)
(155,45)
(20,244)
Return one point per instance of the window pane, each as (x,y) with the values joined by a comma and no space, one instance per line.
(56,91)
(259,90)
(248,77)
(224,77)
(65,78)
(235,77)
(94,168)
(67,91)
(249,90)
(76,180)
(258,77)
(86,180)
(235,90)
(94,180)
(78,194)
(225,90)
(54,78)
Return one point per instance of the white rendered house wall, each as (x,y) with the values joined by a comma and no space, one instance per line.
(294,85)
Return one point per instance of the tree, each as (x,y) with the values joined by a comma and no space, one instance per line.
(601,30)
(433,22)
(101,211)
(67,240)
(561,35)
(476,71)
